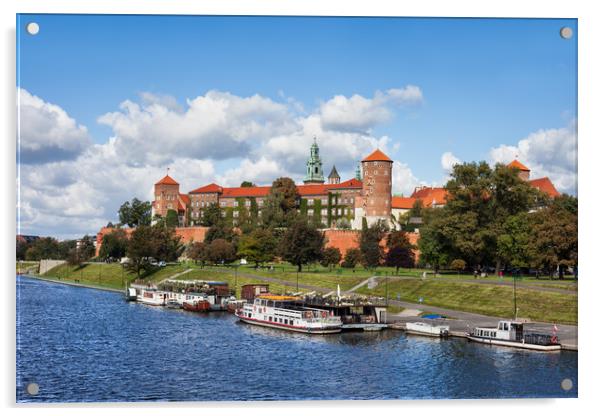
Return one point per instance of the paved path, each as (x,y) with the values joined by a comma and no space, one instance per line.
(175,276)
(356,287)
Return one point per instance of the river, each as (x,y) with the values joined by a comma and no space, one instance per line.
(86,345)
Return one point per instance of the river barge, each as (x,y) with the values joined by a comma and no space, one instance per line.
(513,334)
(288,313)
(357,313)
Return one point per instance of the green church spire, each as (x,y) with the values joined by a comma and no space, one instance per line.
(314,172)
(358,173)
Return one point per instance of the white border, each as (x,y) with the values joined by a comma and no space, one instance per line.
(590,68)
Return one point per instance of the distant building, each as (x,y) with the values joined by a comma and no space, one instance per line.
(368,195)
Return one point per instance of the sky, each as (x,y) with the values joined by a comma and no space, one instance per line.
(106,104)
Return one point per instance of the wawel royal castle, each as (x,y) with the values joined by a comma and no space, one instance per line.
(330,202)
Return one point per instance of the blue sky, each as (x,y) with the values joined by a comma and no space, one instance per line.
(485,84)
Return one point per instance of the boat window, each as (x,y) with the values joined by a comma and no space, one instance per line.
(493,334)
(270,318)
(500,326)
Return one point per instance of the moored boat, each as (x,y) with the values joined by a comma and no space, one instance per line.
(288,313)
(513,334)
(130,294)
(152,297)
(422,328)
(199,305)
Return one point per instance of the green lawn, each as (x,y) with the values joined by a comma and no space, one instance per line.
(22,266)
(483,299)
(109,275)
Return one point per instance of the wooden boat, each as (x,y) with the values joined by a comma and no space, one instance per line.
(423,328)
(199,305)
(288,313)
(512,334)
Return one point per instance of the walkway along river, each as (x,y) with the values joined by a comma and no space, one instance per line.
(81,344)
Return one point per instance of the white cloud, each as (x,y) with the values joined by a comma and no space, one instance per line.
(448,160)
(404,181)
(46,132)
(251,138)
(359,114)
(551,153)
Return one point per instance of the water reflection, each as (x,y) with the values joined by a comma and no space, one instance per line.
(86,345)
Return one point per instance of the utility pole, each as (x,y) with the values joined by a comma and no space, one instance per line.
(515,310)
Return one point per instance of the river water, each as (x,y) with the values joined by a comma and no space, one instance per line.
(85,345)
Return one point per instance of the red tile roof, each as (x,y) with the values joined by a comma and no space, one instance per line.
(431,196)
(207,189)
(545,185)
(251,191)
(516,164)
(185,199)
(400,202)
(167,180)
(377,155)
(262,191)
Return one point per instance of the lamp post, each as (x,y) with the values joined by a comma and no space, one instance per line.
(297,280)
(515,309)
(235,279)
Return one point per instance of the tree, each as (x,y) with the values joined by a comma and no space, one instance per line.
(416,210)
(353,256)
(513,241)
(331,256)
(212,215)
(221,251)
(258,247)
(458,265)
(247,184)
(280,206)
(148,243)
(198,251)
(114,245)
(171,218)
(220,232)
(43,248)
(399,251)
(135,213)
(553,238)
(370,238)
(301,244)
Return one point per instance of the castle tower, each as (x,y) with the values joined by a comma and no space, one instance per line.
(314,172)
(334,177)
(523,171)
(167,191)
(358,173)
(376,186)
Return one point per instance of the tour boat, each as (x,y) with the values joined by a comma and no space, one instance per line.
(289,313)
(422,328)
(512,334)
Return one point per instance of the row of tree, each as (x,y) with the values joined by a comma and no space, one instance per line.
(73,251)
(494,218)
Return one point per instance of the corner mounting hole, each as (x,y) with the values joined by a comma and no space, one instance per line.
(32,28)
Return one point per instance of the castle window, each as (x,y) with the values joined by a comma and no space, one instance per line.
(310,212)
(247,203)
(324,212)
(235,213)
(260,202)
(158,197)
(310,202)
(169,206)
(316,169)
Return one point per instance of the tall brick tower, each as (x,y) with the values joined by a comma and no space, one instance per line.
(167,191)
(376,186)
(523,171)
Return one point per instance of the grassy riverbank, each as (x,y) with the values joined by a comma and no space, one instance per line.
(483,299)
(448,292)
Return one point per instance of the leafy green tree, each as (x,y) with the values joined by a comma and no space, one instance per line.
(148,243)
(370,239)
(353,257)
(399,251)
(171,218)
(65,248)
(553,238)
(247,184)
(258,247)
(198,251)
(223,232)
(301,244)
(331,256)
(212,215)
(280,206)
(114,245)
(43,248)
(135,213)
(416,210)
(221,251)
(513,240)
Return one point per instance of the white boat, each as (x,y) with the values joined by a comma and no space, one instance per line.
(422,328)
(152,297)
(512,334)
(288,313)
(130,294)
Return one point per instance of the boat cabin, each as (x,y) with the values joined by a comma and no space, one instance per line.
(506,330)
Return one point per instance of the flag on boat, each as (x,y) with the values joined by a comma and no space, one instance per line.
(555,328)
(338,291)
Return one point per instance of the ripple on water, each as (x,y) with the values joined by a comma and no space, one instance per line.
(86,345)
